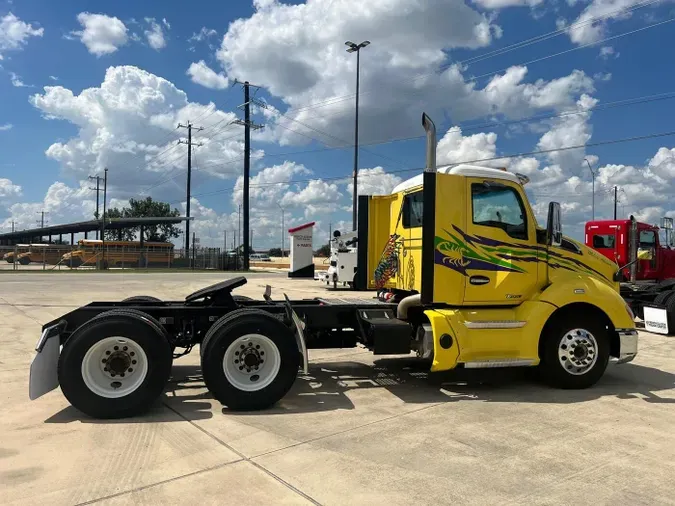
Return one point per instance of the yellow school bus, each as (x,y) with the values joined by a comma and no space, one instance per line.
(19,248)
(42,253)
(120,254)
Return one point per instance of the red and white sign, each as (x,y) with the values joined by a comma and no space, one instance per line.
(302,255)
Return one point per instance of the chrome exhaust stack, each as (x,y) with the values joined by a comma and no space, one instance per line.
(430,129)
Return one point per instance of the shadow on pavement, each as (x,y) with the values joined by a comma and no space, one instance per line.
(327,385)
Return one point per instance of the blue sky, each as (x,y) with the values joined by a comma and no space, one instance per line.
(295,52)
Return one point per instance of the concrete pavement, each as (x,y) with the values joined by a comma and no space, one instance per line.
(356,430)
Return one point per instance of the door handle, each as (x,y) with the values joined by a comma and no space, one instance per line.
(479,280)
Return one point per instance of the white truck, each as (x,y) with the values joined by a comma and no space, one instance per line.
(343,260)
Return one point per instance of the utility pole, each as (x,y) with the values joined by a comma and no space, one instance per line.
(97,190)
(593,179)
(42,220)
(105,197)
(248,125)
(616,189)
(356,48)
(238,228)
(12,225)
(189,143)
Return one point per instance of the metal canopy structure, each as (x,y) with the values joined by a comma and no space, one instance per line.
(11,238)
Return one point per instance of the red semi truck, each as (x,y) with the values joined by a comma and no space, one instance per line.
(648,285)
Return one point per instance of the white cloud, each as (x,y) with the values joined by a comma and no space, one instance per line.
(456,148)
(53,78)
(500,4)
(202,74)
(592,23)
(296,52)
(129,124)
(155,34)
(602,76)
(6,126)
(374,181)
(9,189)
(17,82)
(101,34)
(202,34)
(14,33)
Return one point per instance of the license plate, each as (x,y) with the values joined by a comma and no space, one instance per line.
(656,320)
(43,369)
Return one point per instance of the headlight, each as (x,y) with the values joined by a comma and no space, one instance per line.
(630,311)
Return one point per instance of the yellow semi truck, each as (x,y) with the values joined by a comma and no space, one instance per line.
(477,284)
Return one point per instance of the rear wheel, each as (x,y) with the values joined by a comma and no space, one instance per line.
(249,360)
(24,260)
(142,298)
(664,297)
(115,365)
(573,354)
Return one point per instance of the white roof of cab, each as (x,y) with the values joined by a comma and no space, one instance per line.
(460,170)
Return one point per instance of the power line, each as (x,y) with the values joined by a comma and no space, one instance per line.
(597,108)
(478,160)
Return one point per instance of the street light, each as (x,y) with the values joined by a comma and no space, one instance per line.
(593,179)
(282,229)
(355,48)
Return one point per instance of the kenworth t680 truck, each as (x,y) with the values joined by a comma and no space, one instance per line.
(478,284)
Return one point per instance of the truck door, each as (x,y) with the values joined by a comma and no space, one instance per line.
(648,269)
(501,254)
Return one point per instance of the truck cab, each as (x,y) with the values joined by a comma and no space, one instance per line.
(619,241)
(484,284)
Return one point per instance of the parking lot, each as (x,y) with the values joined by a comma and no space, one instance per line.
(357,429)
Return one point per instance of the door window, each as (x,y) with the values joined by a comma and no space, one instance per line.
(604,241)
(412,210)
(500,207)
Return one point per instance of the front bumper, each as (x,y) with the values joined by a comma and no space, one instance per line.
(628,345)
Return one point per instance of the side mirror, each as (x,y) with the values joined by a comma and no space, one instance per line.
(644,254)
(336,233)
(554,225)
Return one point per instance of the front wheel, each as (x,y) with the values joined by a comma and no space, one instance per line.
(115,365)
(574,355)
(249,360)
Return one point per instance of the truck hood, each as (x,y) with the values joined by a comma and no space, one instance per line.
(576,257)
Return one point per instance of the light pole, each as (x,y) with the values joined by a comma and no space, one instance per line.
(593,179)
(282,230)
(356,48)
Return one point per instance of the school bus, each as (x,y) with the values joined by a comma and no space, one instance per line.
(119,254)
(20,248)
(42,253)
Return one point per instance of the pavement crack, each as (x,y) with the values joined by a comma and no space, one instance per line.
(245,458)
(318,438)
(151,485)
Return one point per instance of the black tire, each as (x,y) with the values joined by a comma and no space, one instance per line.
(24,260)
(226,331)
(136,325)
(238,298)
(663,297)
(142,298)
(551,369)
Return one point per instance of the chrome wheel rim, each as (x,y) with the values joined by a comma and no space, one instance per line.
(578,351)
(251,362)
(114,367)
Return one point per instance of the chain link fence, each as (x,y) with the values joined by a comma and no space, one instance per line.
(72,257)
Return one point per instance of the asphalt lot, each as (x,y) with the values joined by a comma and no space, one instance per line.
(357,430)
